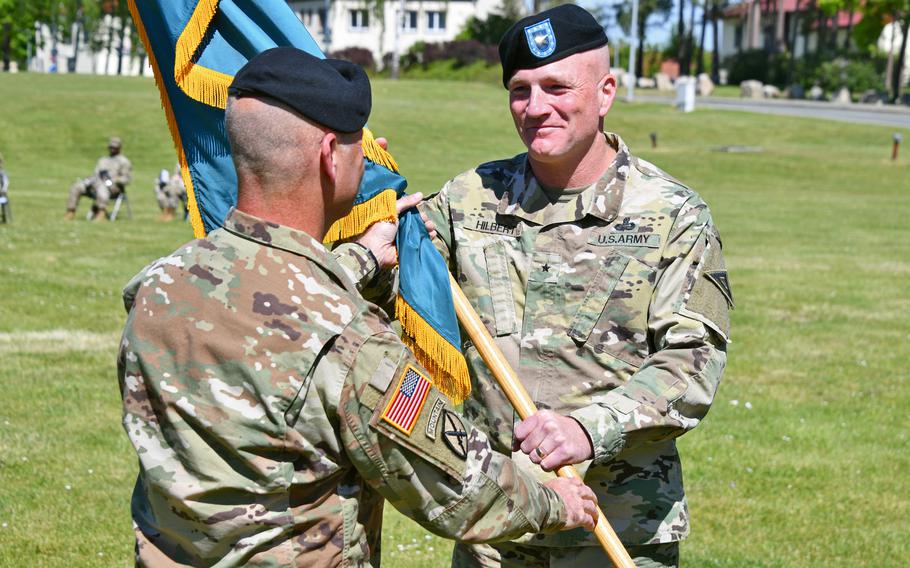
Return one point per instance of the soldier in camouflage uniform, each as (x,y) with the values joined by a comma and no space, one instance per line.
(271,407)
(602,280)
(112,174)
(170,192)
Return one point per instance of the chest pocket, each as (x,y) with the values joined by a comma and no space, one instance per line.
(505,321)
(612,317)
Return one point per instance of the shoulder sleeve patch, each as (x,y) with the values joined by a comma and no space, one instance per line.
(416,416)
(407,400)
(711,298)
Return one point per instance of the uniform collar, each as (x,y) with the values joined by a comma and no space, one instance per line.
(526,199)
(273,235)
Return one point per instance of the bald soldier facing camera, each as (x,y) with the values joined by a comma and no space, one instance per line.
(271,407)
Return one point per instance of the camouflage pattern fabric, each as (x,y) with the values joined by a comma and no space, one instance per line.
(258,389)
(120,171)
(611,303)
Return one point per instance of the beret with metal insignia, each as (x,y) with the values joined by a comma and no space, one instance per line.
(333,93)
(546,37)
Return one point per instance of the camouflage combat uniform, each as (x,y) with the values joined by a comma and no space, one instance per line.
(170,195)
(120,171)
(258,387)
(611,303)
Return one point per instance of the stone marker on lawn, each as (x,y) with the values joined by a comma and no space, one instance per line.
(843,96)
(705,85)
(663,82)
(750,90)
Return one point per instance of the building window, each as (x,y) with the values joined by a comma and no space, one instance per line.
(410,21)
(360,19)
(436,21)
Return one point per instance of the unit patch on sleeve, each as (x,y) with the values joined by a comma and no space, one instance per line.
(433,420)
(408,399)
(454,434)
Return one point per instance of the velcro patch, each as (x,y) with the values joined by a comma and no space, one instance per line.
(620,403)
(720,279)
(710,298)
(617,239)
(383,374)
(408,399)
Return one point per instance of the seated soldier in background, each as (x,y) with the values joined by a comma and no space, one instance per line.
(112,174)
(169,191)
(5,216)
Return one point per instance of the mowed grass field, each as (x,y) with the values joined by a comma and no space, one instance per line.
(803,461)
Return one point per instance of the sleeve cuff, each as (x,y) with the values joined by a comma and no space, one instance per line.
(358,261)
(603,429)
(556,516)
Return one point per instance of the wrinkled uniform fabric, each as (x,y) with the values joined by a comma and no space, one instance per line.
(611,303)
(120,171)
(254,379)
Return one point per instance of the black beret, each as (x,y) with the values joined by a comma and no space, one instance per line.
(334,93)
(546,37)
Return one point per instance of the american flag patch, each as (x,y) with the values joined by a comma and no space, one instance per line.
(407,401)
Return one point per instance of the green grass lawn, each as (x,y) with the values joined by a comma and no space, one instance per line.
(802,462)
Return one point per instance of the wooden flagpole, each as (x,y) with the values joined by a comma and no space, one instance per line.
(521,400)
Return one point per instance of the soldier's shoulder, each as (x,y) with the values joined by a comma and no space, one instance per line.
(493,176)
(368,335)
(665,191)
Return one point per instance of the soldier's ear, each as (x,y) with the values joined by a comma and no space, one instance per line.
(328,157)
(606,93)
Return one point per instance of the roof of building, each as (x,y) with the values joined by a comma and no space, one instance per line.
(740,10)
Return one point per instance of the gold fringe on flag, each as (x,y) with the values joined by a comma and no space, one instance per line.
(199,83)
(376,153)
(380,208)
(192,205)
(443,361)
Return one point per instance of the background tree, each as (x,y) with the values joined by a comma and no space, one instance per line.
(651,13)
(876,15)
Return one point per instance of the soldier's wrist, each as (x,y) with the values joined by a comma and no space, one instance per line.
(557,516)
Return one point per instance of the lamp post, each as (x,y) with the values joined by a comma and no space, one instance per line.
(633,47)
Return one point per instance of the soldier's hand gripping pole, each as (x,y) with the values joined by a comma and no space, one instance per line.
(521,400)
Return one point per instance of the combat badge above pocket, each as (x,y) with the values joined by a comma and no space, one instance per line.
(711,297)
(415,415)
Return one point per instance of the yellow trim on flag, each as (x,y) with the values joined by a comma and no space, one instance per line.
(441,359)
(192,204)
(380,208)
(376,153)
(198,82)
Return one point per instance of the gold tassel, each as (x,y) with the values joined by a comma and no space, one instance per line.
(442,360)
(192,205)
(199,83)
(376,153)
(380,208)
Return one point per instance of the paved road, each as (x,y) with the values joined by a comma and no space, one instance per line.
(897,117)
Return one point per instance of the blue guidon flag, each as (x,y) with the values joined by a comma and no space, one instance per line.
(195,47)
(541,39)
